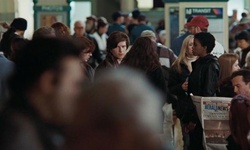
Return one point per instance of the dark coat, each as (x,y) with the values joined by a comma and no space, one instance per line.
(243,55)
(89,72)
(226,88)
(176,80)
(137,30)
(115,27)
(232,145)
(203,80)
(22,128)
(177,43)
(156,77)
(109,62)
(6,68)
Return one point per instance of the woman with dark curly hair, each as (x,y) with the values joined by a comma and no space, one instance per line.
(117,45)
(143,57)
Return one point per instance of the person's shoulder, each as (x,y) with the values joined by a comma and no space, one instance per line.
(148,27)
(18,131)
(165,49)
(5,61)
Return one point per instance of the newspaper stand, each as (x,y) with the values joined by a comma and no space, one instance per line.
(213,113)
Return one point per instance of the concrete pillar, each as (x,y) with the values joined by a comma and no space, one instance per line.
(247,4)
(23,9)
(7,13)
(127,5)
(100,8)
(52,2)
(7,10)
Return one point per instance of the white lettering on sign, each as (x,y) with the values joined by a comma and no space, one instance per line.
(189,11)
(205,10)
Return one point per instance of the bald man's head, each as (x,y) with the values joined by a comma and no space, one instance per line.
(79,28)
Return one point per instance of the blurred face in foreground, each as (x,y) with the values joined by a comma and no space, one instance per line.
(61,91)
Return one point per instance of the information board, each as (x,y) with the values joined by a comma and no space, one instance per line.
(214,16)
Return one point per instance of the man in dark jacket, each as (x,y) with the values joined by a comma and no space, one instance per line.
(137,30)
(118,23)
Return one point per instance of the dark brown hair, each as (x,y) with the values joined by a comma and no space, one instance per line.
(244,73)
(143,55)
(112,41)
(240,126)
(85,44)
(61,29)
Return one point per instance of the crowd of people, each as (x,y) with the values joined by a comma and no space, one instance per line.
(117,86)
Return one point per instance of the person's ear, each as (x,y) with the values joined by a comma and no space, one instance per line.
(205,48)
(47,82)
(197,29)
(248,85)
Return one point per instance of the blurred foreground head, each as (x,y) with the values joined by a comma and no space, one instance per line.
(46,79)
(120,111)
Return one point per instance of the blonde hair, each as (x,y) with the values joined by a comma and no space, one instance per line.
(226,62)
(182,56)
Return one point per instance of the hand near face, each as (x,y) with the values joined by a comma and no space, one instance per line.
(184,86)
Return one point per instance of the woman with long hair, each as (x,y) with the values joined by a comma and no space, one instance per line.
(117,46)
(179,73)
(143,57)
(229,63)
(239,126)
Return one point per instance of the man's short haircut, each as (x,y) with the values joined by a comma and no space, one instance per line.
(244,73)
(243,35)
(116,15)
(142,17)
(44,32)
(38,56)
(206,39)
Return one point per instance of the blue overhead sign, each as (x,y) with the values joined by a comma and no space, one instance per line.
(210,13)
(176,1)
